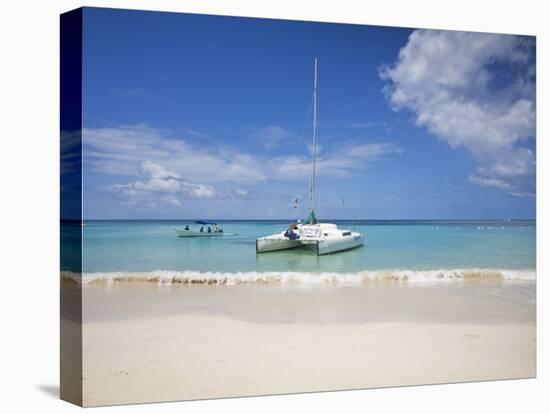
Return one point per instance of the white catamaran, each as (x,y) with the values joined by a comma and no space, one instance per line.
(324,238)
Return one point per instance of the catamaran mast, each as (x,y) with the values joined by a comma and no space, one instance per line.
(314,150)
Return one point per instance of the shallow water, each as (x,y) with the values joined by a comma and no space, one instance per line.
(145,246)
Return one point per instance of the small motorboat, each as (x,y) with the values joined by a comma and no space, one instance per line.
(202,229)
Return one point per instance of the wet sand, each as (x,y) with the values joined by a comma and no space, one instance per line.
(154,343)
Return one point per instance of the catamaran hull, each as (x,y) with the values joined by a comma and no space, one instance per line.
(328,246)
(272,244)
(321,247)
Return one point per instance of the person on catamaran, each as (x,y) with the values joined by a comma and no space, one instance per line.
(291,232)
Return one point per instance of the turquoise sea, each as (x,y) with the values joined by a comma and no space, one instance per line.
(146,246)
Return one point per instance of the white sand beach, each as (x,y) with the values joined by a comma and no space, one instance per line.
(144,343)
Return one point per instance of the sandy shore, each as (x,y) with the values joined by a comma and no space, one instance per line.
(153,344)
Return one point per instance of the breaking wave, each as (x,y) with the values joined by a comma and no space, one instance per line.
(163,277)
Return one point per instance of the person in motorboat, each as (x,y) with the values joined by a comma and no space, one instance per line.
(202,229)
(187,227)
(209,229)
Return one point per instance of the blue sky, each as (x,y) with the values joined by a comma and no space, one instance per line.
(190,116)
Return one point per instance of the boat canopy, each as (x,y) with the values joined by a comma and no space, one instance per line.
(310,219)
(205,222)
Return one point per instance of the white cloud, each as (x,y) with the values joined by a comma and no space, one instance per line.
(340,162)
(489,182)
(200,190)
(522,194)
(475,91)
(373,151)
(167,168)
(172,200)
(271,136)
(156,171)
(117,151)
(161,184)
(159,179)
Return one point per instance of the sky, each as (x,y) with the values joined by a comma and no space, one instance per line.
(210,117)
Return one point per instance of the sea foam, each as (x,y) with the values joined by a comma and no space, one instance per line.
(166,277)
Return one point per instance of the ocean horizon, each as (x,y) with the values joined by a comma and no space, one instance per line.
(329,220)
